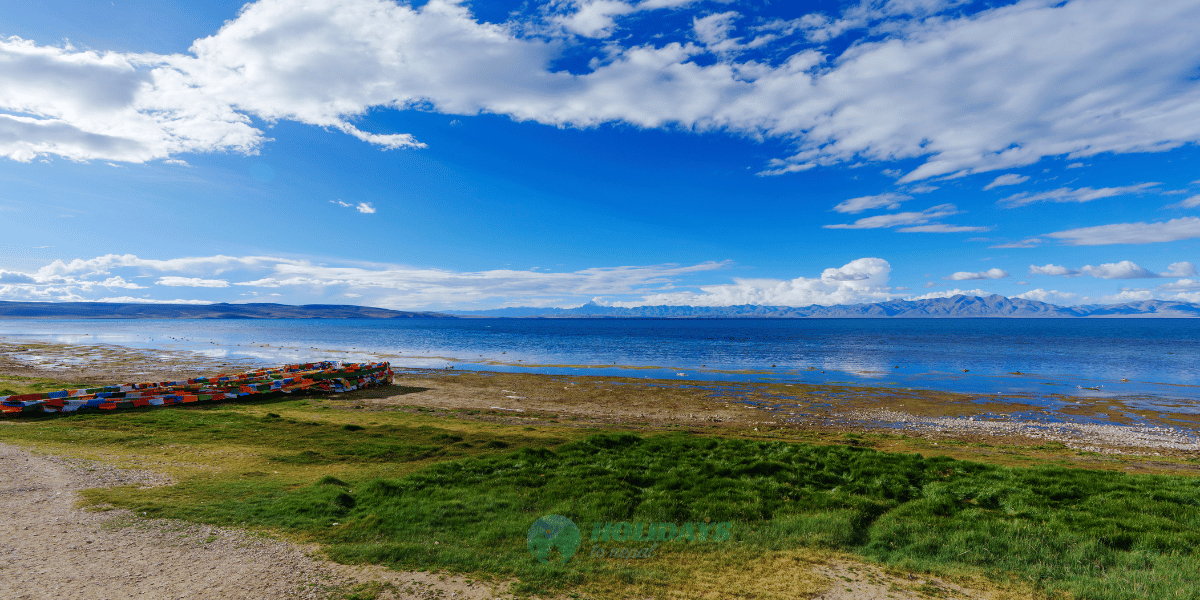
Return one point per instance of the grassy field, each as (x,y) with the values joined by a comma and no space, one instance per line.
(419,491)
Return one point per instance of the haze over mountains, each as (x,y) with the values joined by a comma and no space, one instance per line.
(954,307)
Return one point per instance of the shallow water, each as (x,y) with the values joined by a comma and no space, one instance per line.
(1159,358)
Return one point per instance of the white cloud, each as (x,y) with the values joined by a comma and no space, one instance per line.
(1050,296)
(1180,269)
(820,28)
(1074,165)
(862,280)
(192,282)
(1131,233)
(112,282)
(379,285)
(1009,179)
(15,277)
(993,90)
(950,294)
(1183,285)
(594,18)
(1025,243)
(714,32)
(1193,297)
(1085,194)
(85,105)
(904,218)
(362,207)
(1191,202)
(890,200)
(1052,270)
(132,300)
(969,276)
(1125,269)
(1127,295)
(1120,270)
(941,228)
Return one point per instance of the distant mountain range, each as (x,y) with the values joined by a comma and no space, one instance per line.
(114,310)
(954,307)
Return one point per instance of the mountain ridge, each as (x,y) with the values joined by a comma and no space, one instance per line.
(960,306)
(133,310)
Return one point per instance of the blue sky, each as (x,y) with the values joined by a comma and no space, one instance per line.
(442,155)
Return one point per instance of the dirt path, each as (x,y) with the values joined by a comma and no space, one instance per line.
(50,549)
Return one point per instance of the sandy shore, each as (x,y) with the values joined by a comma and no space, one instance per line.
(790,408)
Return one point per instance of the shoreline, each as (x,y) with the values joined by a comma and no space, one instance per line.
(1104,426)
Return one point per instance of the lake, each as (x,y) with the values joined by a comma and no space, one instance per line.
(1079,357)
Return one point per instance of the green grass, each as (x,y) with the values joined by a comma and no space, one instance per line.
(416,493)
(12,385)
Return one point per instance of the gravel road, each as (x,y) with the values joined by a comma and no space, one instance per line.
(50,549)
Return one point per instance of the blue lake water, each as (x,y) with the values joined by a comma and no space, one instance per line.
(1158,358)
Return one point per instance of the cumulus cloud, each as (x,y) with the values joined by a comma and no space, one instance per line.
(1009,179)
(598,18)
(85,105)
(862,280)
(1193,297)
(1183,285)
(969,276)
(1085,194)
(1180,269)
(890,200)
(962,93)
(1052,270)
(1050,296)
(1127,295)
(1125,269)
(1131,233)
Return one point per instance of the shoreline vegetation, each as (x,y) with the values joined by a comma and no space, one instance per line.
(934,494)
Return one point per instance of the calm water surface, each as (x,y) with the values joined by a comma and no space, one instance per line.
(1160,358)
